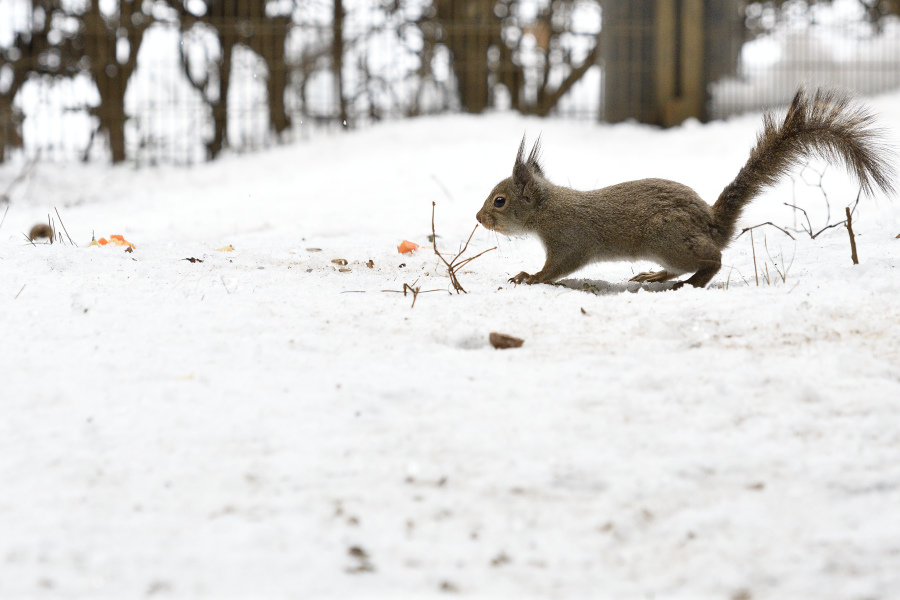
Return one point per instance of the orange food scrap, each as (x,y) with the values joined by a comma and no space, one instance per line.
(115,239)
(119,240)
(228,248)
(407,246)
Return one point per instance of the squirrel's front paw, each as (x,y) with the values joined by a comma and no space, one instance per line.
(524,277)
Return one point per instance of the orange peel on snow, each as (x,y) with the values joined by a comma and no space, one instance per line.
(407,246)
(115,239)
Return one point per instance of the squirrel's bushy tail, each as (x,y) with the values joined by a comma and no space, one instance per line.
(828,126)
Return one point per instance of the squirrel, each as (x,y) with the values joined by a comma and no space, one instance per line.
(667,222)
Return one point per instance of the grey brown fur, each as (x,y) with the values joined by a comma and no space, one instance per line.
(667,222)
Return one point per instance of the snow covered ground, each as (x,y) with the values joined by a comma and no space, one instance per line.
(243,428)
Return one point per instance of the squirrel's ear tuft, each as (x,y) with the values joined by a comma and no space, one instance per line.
(522,174)
(520,157)
(534,157)
(525,173)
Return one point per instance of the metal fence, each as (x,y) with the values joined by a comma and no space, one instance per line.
(203,85)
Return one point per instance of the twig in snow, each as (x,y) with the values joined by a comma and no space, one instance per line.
(753,246)
(810,230)
(64,227)
(415,291)
(2,221)
(453,266)
(849,224)
(782,274)
(20,291)
(819,185)
(746,229)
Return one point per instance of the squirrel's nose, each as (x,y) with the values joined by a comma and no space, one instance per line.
(478,216)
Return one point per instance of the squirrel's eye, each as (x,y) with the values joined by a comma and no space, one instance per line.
(499,201)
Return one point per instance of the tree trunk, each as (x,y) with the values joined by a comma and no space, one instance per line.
(271,49)
(470,28)
(111,112)
(220,108)
(337,60)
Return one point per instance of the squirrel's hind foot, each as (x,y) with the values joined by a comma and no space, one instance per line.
(524,277)
(653,277)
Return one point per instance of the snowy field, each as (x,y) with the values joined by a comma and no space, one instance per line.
(243,428)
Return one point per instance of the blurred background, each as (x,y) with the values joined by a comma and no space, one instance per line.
(181,81)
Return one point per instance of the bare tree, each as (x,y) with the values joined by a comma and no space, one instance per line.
(235,23)
(37,51)
(105,37)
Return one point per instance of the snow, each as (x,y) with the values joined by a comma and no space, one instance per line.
(244,428)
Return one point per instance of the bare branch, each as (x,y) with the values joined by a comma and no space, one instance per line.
(746,229)
(64,227)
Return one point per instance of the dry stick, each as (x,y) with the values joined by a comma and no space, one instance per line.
(468,260)
(810,231)
(752,245)
(819,185)
(29,240)
(415,291)
(849,224)
(787,268)
(64,228)
(453,266)
(20,291)
(4,216)
(746,229)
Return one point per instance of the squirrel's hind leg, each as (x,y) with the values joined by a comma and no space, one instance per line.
(701,277)
(654,277)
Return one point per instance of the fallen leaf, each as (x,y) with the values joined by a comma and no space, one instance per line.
(129,248)
(371,264)
(406,246)
(193,260)
(501,341)
(339,261)
(313,249)
(345,270)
